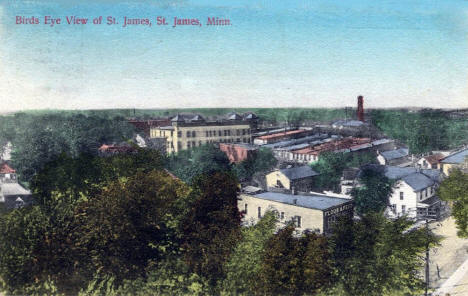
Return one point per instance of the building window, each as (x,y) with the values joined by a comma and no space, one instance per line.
(401,195)
(243,132)
(206,133)
(238,132)
(179,134)
(179,145)
(193,134)
(188,145)
(188,134)
(220,133)
(282,216)
(297,221)
(194,144)
(245,209)
(403,209)
(259,212)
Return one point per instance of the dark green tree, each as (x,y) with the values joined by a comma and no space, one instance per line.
(454,189)
(211,227)
(205,159)
(376,256)
(294,265)
(244,265)
(374,193)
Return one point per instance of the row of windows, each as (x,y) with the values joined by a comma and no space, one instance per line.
(219,133)
(225,133)
(424,194)
(297,220)
(394,209)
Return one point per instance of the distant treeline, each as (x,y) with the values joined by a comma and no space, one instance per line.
(422,131)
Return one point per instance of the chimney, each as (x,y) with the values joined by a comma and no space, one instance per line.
(360,108)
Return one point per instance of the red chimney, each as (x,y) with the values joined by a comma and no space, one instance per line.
(360,108)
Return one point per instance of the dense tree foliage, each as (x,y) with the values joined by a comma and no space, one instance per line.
(331,165)
(141,214)
(206,159)
(211,228)
(376,256)
(259,163)
(454,189)
(374,193)
(39,139)
(422,131)
(294,265)
(244,265)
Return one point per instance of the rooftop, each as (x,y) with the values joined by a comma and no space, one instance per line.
(6,169)
(395,154)
(418,181)
(7,189)
(282,134)
(434,158)
(299,172)
(456,158)
(319,202)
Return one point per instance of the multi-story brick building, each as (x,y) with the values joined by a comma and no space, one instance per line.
(186,132)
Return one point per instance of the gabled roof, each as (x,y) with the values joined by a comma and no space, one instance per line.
(8,189)
(418,181)
(250,115)
(415,178)
(434,158)
(6,169)
(456,158)
(178,118)
(198,117)
(234,116)
(320,202)
(395,154)
(299,172)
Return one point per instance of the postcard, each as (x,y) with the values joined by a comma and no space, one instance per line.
(194,147)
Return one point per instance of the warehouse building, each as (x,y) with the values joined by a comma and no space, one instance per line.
(312,212)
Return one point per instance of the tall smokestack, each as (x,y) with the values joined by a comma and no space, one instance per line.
(360,108)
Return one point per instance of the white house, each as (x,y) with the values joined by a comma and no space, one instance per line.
(413,192)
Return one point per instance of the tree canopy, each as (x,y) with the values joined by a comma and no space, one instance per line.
(374,193)
(454,189)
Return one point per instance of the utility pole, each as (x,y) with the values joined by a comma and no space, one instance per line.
(427,257)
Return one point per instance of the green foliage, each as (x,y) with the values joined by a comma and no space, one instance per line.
(373,196)
(166,278)
(422,131)
(294,265)
(376,256)
(331,165)
(244,265)
(260,162)
(455,190)
(56,242)
(140,214)
(211,227)
(39,139)
(206,159)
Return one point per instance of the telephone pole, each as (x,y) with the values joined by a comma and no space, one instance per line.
(427,257)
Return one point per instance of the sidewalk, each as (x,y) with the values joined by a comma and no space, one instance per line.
(457,284)
(452,260)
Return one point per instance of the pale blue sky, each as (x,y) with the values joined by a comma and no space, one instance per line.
(275,54)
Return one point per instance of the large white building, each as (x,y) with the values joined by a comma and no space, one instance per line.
(309,212)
